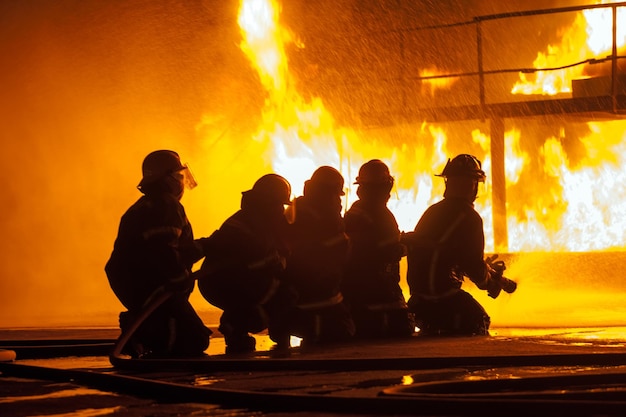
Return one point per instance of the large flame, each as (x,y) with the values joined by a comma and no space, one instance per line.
(433,80)
(585,214)
(573,203)
(301,135)
(589,37)
(557,200)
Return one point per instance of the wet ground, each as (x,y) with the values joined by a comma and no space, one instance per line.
(421,376)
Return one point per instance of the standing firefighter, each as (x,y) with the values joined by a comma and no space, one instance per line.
(372,282)
(316,266)
(245,262)
(154,251)
(447,245)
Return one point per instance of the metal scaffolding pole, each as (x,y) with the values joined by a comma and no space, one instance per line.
(498,190)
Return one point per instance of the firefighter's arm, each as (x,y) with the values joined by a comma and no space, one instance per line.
(495,280)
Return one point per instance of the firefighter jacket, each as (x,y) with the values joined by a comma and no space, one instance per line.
(245,259)
(319,251)
(154,246)
(446,246)
(373,272)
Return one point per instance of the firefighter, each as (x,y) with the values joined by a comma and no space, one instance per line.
(155,251)
(245,260)
(446,246)
(372,282)
(316,266)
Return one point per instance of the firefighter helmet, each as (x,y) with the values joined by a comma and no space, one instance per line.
(159,164)
(329,178)
(464,165)
(272,188)
(374,172)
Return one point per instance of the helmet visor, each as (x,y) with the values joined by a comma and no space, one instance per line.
(481,189)
(186,177)
(189,180)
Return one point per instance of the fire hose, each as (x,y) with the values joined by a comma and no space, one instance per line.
(448,398)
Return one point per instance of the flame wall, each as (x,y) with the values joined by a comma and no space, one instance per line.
(90,87)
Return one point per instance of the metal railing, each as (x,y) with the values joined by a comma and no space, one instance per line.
(481,72)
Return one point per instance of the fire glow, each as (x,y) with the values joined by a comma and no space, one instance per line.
(575,205)
(92,89)
(589,36)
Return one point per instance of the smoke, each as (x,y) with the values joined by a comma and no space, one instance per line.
(89,88)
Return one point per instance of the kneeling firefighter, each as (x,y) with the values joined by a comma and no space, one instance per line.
(154,252)
(315,269)
(372,282)
(446,246)
(246,258)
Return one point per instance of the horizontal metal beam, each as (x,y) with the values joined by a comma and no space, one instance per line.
(592,108)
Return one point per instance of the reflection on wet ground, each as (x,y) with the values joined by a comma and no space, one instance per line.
(24,397)
(599,336)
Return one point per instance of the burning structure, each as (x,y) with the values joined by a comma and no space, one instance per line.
(551,135)
(525,122)
(240,89)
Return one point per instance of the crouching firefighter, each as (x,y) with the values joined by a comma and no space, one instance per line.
(316,266)
(246,258)
(153,253)
(446,246)
(372,281)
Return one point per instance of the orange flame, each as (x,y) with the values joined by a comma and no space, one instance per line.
(431,85)
(301,136)
(590,36)
(287,119)
(570,205)
(584,215)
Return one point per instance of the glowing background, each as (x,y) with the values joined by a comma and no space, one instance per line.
(90,87)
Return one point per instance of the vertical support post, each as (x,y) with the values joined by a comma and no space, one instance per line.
(479,57)
(614,61)
(402,70)
(498,190)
